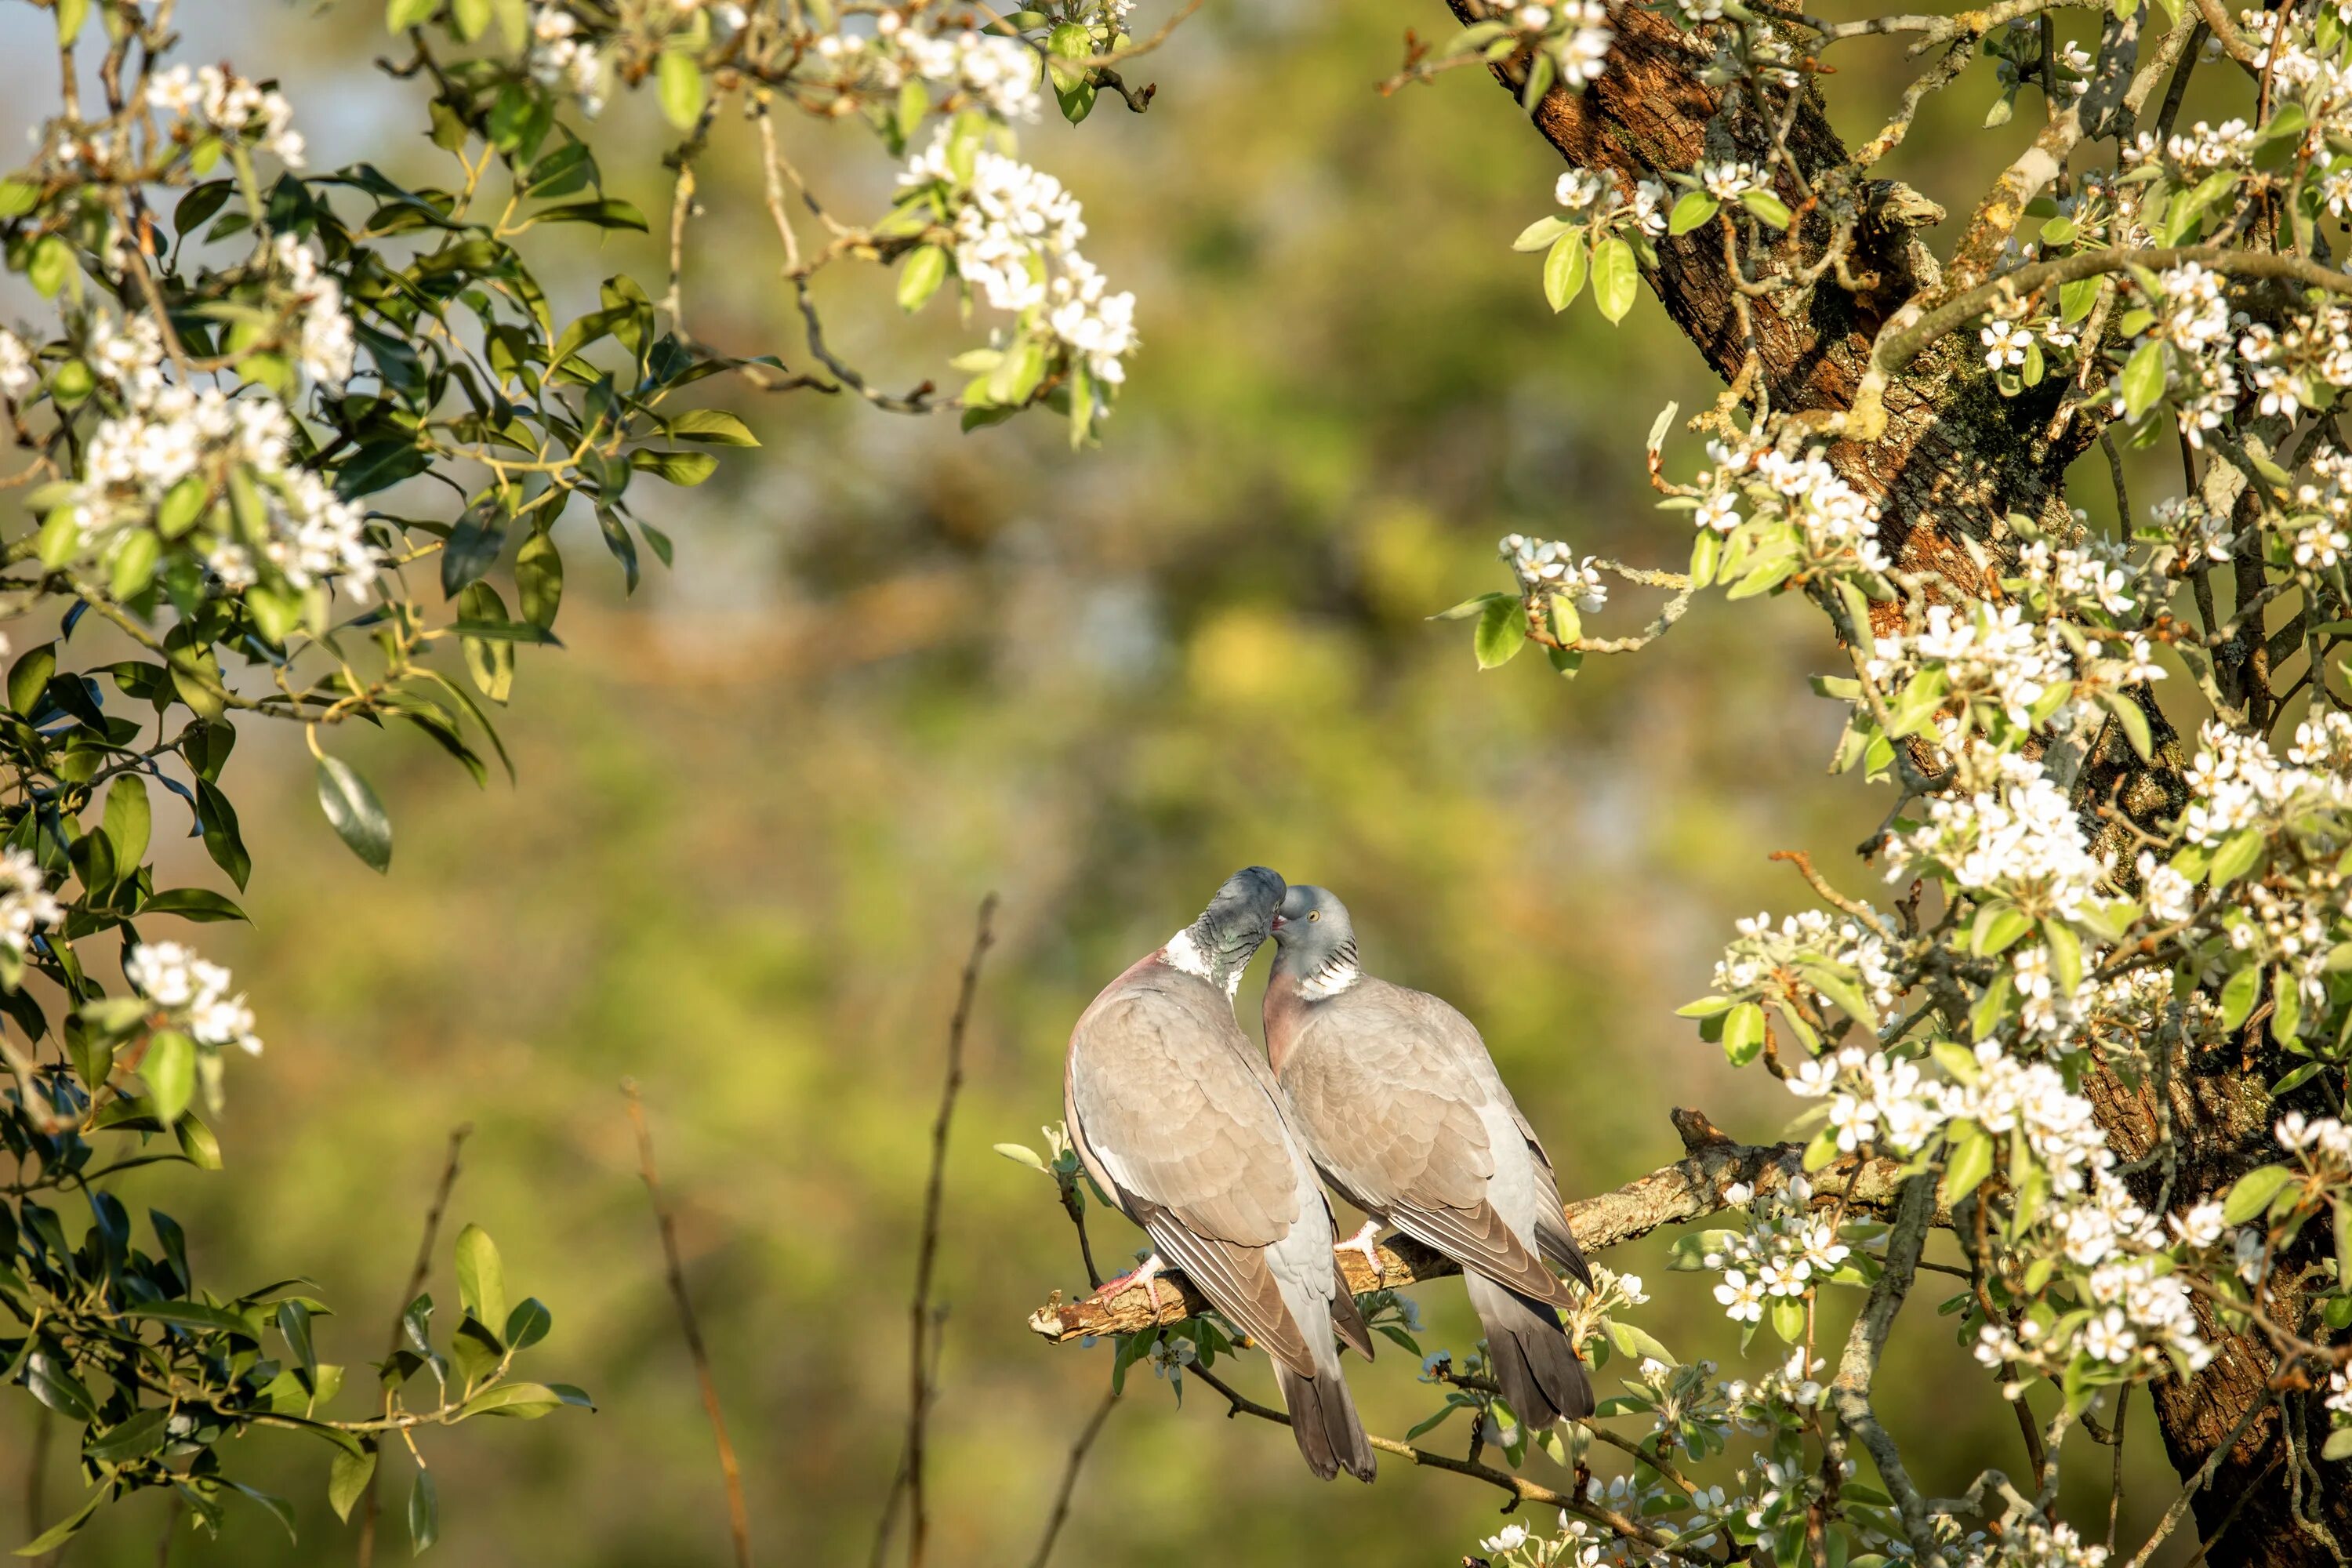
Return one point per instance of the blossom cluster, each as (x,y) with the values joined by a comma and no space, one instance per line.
(1763,961)
(196,992)
(26,905)
(988,71)
(1592,197)
(2004,829)
(562,56)
(1016,237)
(236,109)
(168,432)
(1575,35)
(1782,1255)
(1548,566)
(1757,485)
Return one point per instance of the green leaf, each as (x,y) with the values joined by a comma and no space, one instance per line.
(528,1324)
(2239,994)
(2133,719)
(2237,856)
(681,88)
(712,426)
(539,579)
(1502,632)
(1022,1155)
(481,1277)
(355,814)
(199,904)
(1969,1160)
(128,822)
(1564,267)
(1695,208)
(1469,607)
(348,1478)
(294,1323)
(170,1069)
(2065,955)
(2339,1444)
(135,1438)
(402,14)
(65,1529)
(1541,234)
(29,678)
(920,277)
(54,1386)
(2251,1193)
(424,1514)
(1768,207)
(51,265)
(1615,279)
(1743,1033)
(520,1401)
(1997,928)
(609,211)
(1789,1318)
(2143,379)
(686,469)
(2075,300)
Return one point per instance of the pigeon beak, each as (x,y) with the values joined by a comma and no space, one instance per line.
(1279,922)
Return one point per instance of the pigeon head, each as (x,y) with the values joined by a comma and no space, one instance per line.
(1317,942)
(1218,945)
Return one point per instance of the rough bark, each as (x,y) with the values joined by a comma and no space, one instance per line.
(1954,460)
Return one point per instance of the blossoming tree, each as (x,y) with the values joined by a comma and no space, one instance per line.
(2085,1011)
(299,445)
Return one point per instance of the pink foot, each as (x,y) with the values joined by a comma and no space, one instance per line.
(1146,1276)
(1362,1242)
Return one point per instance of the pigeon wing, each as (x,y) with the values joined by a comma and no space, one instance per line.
(1160,1091)
(1391,1119)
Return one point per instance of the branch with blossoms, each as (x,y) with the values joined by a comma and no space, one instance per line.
(2101,1029)
(309,446)
(1716,1174)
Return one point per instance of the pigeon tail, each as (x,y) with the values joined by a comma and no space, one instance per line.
(1541,1378)
(1323,1418)
(1347,1322)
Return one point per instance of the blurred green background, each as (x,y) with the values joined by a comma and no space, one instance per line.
(897,667)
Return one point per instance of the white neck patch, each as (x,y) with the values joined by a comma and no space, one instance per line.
(1328,982)
(1184,954)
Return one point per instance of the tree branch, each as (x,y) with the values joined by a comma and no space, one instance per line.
(1691,1188)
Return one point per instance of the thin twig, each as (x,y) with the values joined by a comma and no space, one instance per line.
(2199,1482)
(1070,1480)
(739,1519)
(923,1350)
(417,1270)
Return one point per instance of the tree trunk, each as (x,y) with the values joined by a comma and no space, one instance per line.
(1955,460)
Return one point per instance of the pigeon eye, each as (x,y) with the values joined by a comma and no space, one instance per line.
(1315,914)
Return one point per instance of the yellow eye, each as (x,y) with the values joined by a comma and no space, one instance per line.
(1315,914)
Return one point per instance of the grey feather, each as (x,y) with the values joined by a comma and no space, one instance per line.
(1179,1120)
(1398,1101)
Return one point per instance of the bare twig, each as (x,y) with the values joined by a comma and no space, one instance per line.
(1069,1485)
(417,1270)
(923,1350)
(2198,1483)
(739,1519)
(1521,1488)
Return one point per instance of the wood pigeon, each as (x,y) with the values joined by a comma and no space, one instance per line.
(1177,1117)
(1402,1109)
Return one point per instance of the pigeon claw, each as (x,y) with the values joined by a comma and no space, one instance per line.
(1362,1242)
(1147,1276)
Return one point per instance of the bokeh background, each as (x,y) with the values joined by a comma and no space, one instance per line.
(897,667)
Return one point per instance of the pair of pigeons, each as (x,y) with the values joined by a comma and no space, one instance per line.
(1389,1093)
